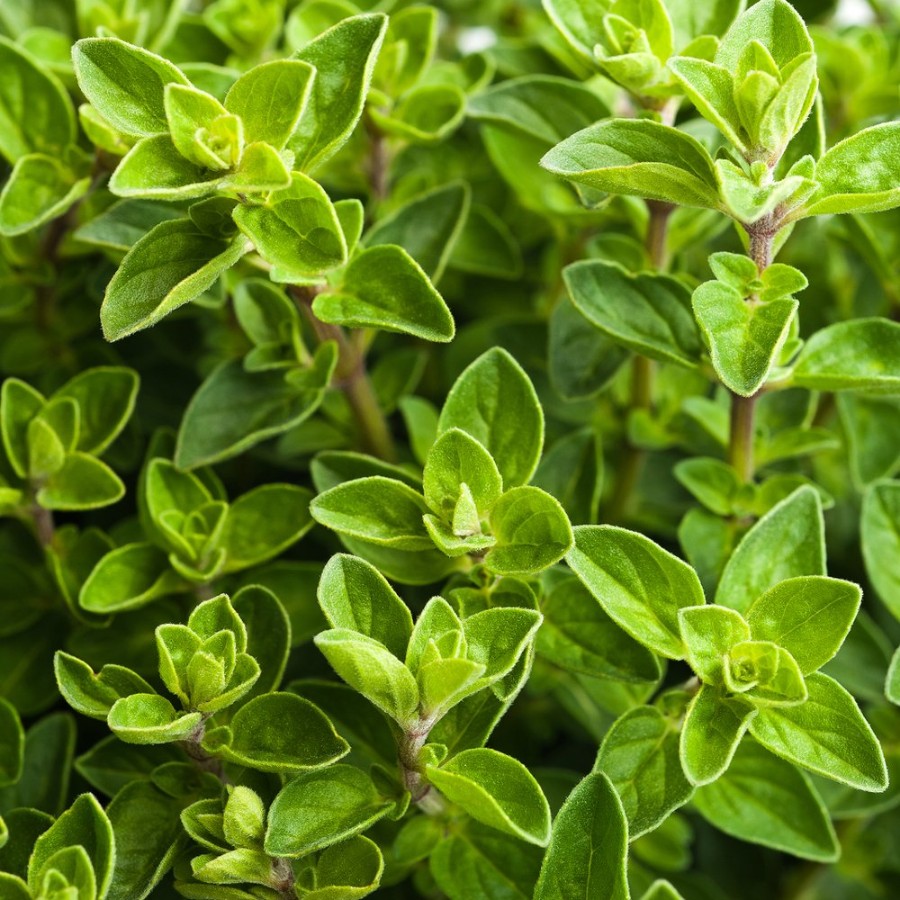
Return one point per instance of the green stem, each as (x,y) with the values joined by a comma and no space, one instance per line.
(642,374)
(743,409)
(351,377)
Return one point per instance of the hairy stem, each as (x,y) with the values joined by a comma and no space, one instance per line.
(642,369)
(379,163)
(43,524)
(743,409)
(351,377)
(192,745)
(411,743)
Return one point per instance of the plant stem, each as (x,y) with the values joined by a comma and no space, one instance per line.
(379,163)
(212,764)
(43,524)
(743,409)
(351,377)
(408,756)
(642,369)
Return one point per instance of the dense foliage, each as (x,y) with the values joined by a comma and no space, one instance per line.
(417,471)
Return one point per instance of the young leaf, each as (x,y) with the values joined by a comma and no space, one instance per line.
(126,578)
(377,509)
(94,694)
(270,98)
(709,632)
(765,800)
(589,846)
(105,396)
(639,755)
(354,595)
(125,84)
(296,230)
(172,265)
(319,809)
(497,790)
(494,401)
(787,542)
(384,287)
(639,584)
(744,338)
(83,824)
(532,532)
(150,719)
(12,744)
(638,157)
(344,58)
(712,730)
(808,616)
(827,735)
(370,668)
(649,314)
(857,356)
(277,732)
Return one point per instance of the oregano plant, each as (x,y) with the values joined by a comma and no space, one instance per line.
(449,451)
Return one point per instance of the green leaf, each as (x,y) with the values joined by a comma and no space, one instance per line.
(83,824)
(105,396)
(808,616)
(377,509)
(125,83)
(172,265)
(544,106)
(154,169)
(39,189)
(787,542)
(892,683)
(578,635)
(494,401)
(280,733)
(639,755)
(83,482)
(36,115)
(647,313)
(855,175)
(709,632)
(712,730)
(126,578)
(456,459)
(201,129)
(319,809)
(262,523)
(497,790)
(235,409)
(765,800)
(588,850)
(19,404)
(369,667)
(346,870)
(827,735)
(150,719)
(12,744)
(477,861)
(344,58)
(881,540)
(148,836)
(354,595)
(532,532)
(764,673)
(94,694)
(427,227)
(270,98)
(640,158)
(856,356)
(297,230)
(44,780)
(384,287)
(744,337)
(640,585)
